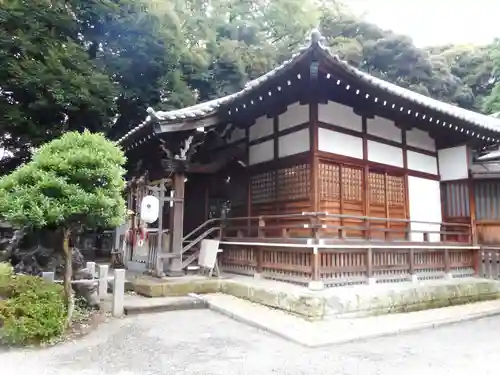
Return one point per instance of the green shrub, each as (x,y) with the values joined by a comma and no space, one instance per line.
(32,310)
(5,270)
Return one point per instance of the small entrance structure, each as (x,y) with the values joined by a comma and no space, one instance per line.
(315,172)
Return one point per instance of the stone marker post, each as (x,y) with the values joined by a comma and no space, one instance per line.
(103,281)
(118,293)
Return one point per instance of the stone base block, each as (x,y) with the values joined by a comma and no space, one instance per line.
(360,301)
(174,288)
(307,305)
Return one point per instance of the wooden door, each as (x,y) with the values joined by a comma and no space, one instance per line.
(387,192)
(341,192)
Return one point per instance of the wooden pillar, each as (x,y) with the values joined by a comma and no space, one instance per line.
(206,195)
(313,160)
(407,235)
(366,178)
(177,232)
(476,258)
(159,267)
(386,200)
(315,195)
(472,209)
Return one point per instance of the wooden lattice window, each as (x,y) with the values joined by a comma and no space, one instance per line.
(396,190)
(377,187)
(352,184)
(294,182)
(329,178)
(263,187)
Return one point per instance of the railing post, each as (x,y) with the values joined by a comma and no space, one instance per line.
(260,231)
(48,276)
(221,229)
(413,274)
(118,293)
(369,267)
(367,232)
(316,283)
(260,255)
(90,266)
(102,289)
(447,274)
(426,236)
(476,261)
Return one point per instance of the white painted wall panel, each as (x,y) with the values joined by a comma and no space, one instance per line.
(339,143)
(453,163)
(385,154)
(263,127)
(425,205)
(293,143)
(339,114)
(421,139)
(294,115)
(384,128)
(236,135)
(422,162)
(261,152)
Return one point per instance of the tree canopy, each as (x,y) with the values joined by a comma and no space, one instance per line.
(98,64)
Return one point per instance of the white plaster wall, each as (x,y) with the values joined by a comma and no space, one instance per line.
(385,154)
(425,205)
(293,143)
(261,152)
(294,115)
(384,128)
(340,115)
(263,127)
(341,144)
(453,163)
(422,162)
(236,135)
(421,139)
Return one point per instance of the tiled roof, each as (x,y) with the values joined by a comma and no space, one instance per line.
(210,107)
(485,121)
(202,110)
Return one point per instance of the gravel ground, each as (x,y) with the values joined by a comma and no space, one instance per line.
(203,342)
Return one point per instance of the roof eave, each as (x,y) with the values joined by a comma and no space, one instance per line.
(162,126)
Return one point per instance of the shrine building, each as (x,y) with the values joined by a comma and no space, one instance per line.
(317,172)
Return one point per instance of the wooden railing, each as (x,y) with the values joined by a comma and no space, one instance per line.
(318,246)
(316,225)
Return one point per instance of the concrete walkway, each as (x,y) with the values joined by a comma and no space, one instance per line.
(201,342)
(342,330)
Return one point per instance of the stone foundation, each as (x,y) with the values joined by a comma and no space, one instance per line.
(381,299)
(355,301)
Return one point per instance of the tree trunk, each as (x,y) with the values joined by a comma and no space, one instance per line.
(68,272)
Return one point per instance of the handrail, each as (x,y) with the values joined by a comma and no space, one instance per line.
(202,225)
(320,214)
(198,239)
(385,219)
(340,216)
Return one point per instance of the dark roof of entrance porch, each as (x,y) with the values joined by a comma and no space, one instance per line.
(379,92)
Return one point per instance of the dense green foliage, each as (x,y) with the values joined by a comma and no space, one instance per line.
(97,65)
(31,309)
(75,181)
